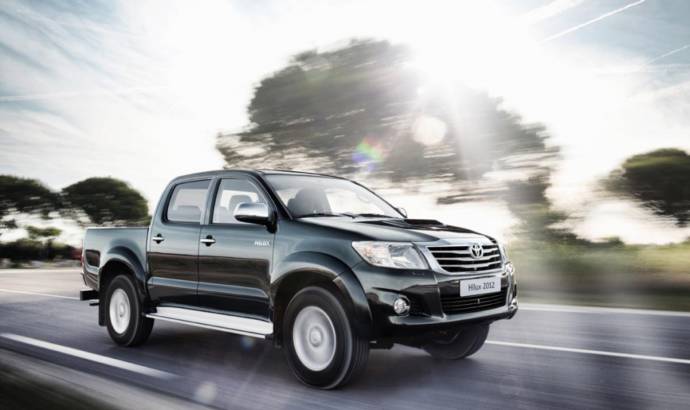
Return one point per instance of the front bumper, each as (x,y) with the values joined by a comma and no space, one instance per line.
(436,305)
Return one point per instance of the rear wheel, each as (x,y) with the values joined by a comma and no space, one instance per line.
(320,345)
(459,345)
(125,320)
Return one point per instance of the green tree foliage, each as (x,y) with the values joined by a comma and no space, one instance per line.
(40,245)
(107,201)
(364,108)
(103,200)
(527,200)
(48,234)
(659,180)
(26,249)
(25,195)
(324,109)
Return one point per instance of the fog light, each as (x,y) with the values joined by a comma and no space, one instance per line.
(509,268)
(401,306)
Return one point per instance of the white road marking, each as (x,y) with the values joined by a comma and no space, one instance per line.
(50,295)
(120,364)
(71,271)
(592,352)
(596,309)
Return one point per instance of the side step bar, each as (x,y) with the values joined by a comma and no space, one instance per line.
(224,323)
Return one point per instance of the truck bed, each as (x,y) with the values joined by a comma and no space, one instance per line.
(101,243)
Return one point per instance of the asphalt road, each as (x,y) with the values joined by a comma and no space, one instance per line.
(546,357)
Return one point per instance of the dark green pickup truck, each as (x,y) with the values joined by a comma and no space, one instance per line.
(321,265)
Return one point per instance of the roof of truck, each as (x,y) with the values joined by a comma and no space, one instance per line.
(256,172)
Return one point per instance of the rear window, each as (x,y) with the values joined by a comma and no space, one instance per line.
(187,201)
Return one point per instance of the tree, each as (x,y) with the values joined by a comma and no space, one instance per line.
(43,239)
(365,109)
(107,201)
(659,180)
(24,195)
(538,220)
(41,234)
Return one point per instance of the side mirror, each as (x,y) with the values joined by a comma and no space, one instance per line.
(402,211)
(253,213)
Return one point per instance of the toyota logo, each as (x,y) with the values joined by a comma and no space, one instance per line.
(476,250)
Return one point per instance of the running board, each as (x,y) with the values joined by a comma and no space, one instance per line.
(224,323)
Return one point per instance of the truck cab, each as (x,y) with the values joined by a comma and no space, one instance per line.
(321,265)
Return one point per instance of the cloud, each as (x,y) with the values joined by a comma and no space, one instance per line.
(85,94)
(549,10)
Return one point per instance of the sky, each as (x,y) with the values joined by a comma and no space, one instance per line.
(138,90)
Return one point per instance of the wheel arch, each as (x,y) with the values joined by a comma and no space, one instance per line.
(118,261)
(316,269)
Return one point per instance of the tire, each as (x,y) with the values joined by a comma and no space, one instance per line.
(460,345)
(320,346)
(124,316)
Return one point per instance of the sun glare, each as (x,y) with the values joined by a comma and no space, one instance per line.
(470,42)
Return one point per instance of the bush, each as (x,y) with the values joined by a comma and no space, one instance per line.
(29,249)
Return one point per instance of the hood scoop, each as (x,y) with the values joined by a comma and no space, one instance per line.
(422,224)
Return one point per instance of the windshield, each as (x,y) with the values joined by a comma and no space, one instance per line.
(323,196)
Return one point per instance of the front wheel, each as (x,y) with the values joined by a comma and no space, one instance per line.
(125,320)
(459,345)
(320,345)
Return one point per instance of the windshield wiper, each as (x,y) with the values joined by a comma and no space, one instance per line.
(375,215)
(325,214)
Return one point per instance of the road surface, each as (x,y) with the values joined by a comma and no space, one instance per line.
(546,357)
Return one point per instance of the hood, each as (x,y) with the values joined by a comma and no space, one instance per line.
(398,230)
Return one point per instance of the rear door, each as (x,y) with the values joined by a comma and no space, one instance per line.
(174,244)
(235,260)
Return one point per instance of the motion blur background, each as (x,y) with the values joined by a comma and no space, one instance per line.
(559,126)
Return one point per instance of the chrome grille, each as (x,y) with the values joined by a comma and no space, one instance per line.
(459,259)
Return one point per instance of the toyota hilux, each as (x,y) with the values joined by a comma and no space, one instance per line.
(320,265)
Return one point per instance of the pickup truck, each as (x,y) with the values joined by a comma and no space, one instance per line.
(320,265)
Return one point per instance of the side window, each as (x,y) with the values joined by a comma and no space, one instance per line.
(232,192)
(187,201)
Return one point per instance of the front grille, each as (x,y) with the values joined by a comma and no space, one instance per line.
(459,259)
(453,304)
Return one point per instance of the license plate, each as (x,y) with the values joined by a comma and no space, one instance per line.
(481,286)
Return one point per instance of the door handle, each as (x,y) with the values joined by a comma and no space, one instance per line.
(158,238)
(208,241)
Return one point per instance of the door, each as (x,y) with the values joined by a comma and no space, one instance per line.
(174,244)
(235,257)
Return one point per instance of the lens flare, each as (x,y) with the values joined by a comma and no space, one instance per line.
(368,155)
(247,343)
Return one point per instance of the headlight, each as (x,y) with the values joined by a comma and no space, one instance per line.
(390,254)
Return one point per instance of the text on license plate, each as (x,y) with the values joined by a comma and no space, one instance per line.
(480,286)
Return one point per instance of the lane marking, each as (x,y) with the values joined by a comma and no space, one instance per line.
(120,364)
(39,294)
(27,271)
(596,309)
(592,352)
